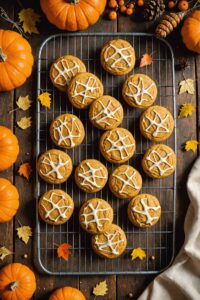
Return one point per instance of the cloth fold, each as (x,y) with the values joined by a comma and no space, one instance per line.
(181,281)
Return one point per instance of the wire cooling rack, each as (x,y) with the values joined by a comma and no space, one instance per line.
(157,241)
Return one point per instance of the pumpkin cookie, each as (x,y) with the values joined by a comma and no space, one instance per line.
(139,91)
(144,210)
(117,145)
(125,182)
(67,131)
(118,57)
(156,123)
(83,89)
(159,161)
(64,69)
(55,207)
(106,113)
(110,244)
(54,166)
(96,216)
(91,175)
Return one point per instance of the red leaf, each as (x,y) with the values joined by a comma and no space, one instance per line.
(63,251)
(145,60)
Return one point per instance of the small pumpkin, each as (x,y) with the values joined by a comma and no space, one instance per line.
(16,60)
(73,15)
(17,282)
(9,200)
(9,148)
(191,31)
(67,292)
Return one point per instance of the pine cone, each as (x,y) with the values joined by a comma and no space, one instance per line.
(168,23)
(153,9)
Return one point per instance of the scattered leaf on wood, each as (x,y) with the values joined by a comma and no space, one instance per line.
(100,288)
(4,252)
(24,122)
(145,60)
(63,251)
(138,253)
(24,233)
(191,145)
(45,99)
(24,102)
(29,18)
(187,85)
(25,170)
(186,110)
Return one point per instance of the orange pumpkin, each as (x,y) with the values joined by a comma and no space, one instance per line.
(16,60)
(68,293)
(191,32)
(17,282)
(9,148)
(9,200)
(73,15)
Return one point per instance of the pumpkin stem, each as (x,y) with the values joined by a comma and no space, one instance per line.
(74,1)
(3,56)
(13,285)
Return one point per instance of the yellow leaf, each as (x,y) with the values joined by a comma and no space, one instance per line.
(24,123)
(45,99)
(191,145)
(186,110)
(25,170)
(100,289)
(24,102)
(138,253)
(24,233)
(4,252)
(187,85)
(29,18)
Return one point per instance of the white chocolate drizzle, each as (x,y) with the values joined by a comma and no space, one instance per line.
(156,122)
(129,181)
(157,160)
(111,244)
(90,86)
(90,175)
(55,166)
(145,211)
(118,56)
(65,72)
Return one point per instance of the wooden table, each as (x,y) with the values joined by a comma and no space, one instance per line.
(119,286)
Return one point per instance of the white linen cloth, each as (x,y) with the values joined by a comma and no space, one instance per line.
(181,281)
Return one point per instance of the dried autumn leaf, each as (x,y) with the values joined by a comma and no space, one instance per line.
(25,170)
(145,60)
(100,288)
(186,110)
(24,102)
(24,122)
(45,99)
(29,18)
(24,233)
(4,252)
(138,253)
(191,145)
(63,251)
(187,85)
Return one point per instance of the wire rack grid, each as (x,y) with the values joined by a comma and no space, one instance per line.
(157,241)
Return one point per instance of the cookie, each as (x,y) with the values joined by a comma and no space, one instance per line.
(54,166)
(110,244)
(64,69)
(91,175)
(144,210)
(55,207)
(118,57)
(156,123)
(117,145)
(83,89)
(139,91)
(159,161)
(106,113)
(67,131)
(96,216)
(125,182)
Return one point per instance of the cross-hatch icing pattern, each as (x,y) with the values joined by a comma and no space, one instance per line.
(111,244)
(156,122)
(118,56)
(138,91)
(128,181)
(65,72)
(90,175)
(145,211)
(62,209)
(90,86)
(55,166)
(106,113)
(70,135)
(94,213)
(160,162)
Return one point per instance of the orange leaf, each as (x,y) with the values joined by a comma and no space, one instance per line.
(25,170)
(63,251)
(145,60)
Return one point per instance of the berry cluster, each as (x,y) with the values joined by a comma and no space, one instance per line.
(124,7)
(182,5)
